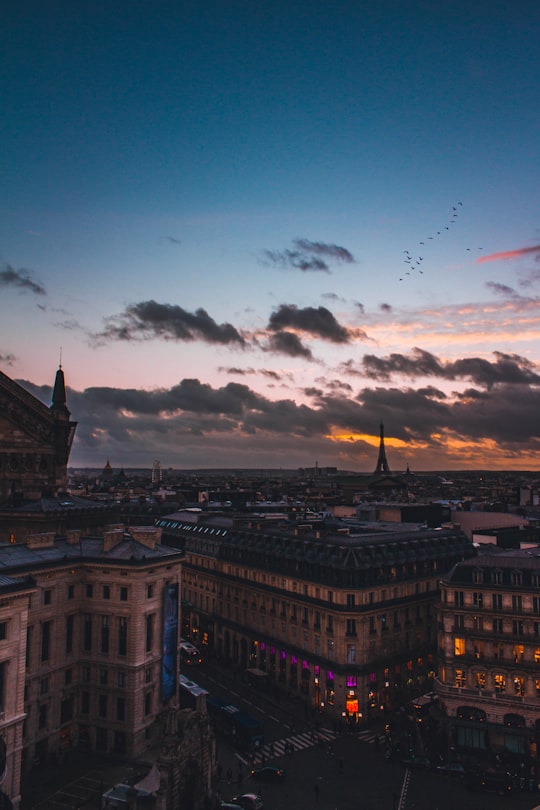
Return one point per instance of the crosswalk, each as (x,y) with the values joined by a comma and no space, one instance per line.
(296,742)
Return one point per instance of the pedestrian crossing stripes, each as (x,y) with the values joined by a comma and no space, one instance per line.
(296,742)
(368,736)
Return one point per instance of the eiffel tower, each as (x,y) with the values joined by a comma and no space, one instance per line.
(382,464)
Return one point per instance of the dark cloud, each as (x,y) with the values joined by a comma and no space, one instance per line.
(507,368)
(308,256)
(385,307)
(7,358)
(22,279)
(500,289)
(288,343)
(194,424)
(263,372)
(316,321)
(149,319)
(173,240)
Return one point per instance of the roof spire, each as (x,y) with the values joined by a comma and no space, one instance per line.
(59,391)
(382,464)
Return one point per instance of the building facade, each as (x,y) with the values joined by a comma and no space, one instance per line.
(346,620)
(489,651)
(88,644)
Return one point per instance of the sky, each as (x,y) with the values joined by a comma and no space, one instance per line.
(253,231)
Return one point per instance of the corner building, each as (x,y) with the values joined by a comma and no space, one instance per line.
(345,620)
(489,649)
(83,638)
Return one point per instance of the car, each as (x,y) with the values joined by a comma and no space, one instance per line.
(499,783)
(230,806)
(268,773)
(249,801)
(417,762)
(452,769)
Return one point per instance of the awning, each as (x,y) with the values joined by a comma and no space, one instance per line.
(151,782)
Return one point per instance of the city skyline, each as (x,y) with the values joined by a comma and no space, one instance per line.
(252,234)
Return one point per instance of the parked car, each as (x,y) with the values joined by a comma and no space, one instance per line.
(499,783)
(268,773)
(249,801)
(452,769)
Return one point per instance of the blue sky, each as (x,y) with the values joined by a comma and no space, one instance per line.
(254,229)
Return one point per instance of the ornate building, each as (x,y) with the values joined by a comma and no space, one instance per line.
(346,620)
(88,616)
(489,650)
(35,442)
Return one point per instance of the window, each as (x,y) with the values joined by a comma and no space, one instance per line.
(496,577)
(120,708)
(147,703)
(330,649)
(122,636)
(519,653)
(149,632)
(481,680)
(479,650)
(519,686)
(121,679)
(149,591)
(102,706)
(71,592)
(351,653)
(459,646)
(500,682)
(105,634)
(517,603)
(47,596)
(89,591)
(70,620)
(478,576)
(351,600)
(517,578)
(478,599)
(372,629)
(68,676)
(86,674)
(478,623)
(330,596)
(458,598)
(517,627)
(536,604)
(45,640)
(42,721)
(123,594)
(459,621)
(148,675)
(384,624)
(66,709)
(43,686)
(85,702)
(461,679)
(3,631)
(329,623)
(106,591)
(103,677)
(497,625)
(351,627)
(87,632)
(496,601)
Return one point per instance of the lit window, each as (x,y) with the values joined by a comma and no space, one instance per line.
(459,646)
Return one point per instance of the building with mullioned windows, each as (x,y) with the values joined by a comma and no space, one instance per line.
(345,619)
(489,651)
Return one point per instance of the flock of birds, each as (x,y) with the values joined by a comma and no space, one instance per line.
(414,262)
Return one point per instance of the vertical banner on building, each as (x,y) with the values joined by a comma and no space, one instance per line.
(170,641)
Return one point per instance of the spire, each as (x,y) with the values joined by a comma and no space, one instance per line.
(382,464)
(59,392)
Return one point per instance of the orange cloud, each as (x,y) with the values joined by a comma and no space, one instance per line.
(508,254)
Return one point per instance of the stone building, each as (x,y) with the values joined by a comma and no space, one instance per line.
(89,617)
(489,651)
(346,620)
